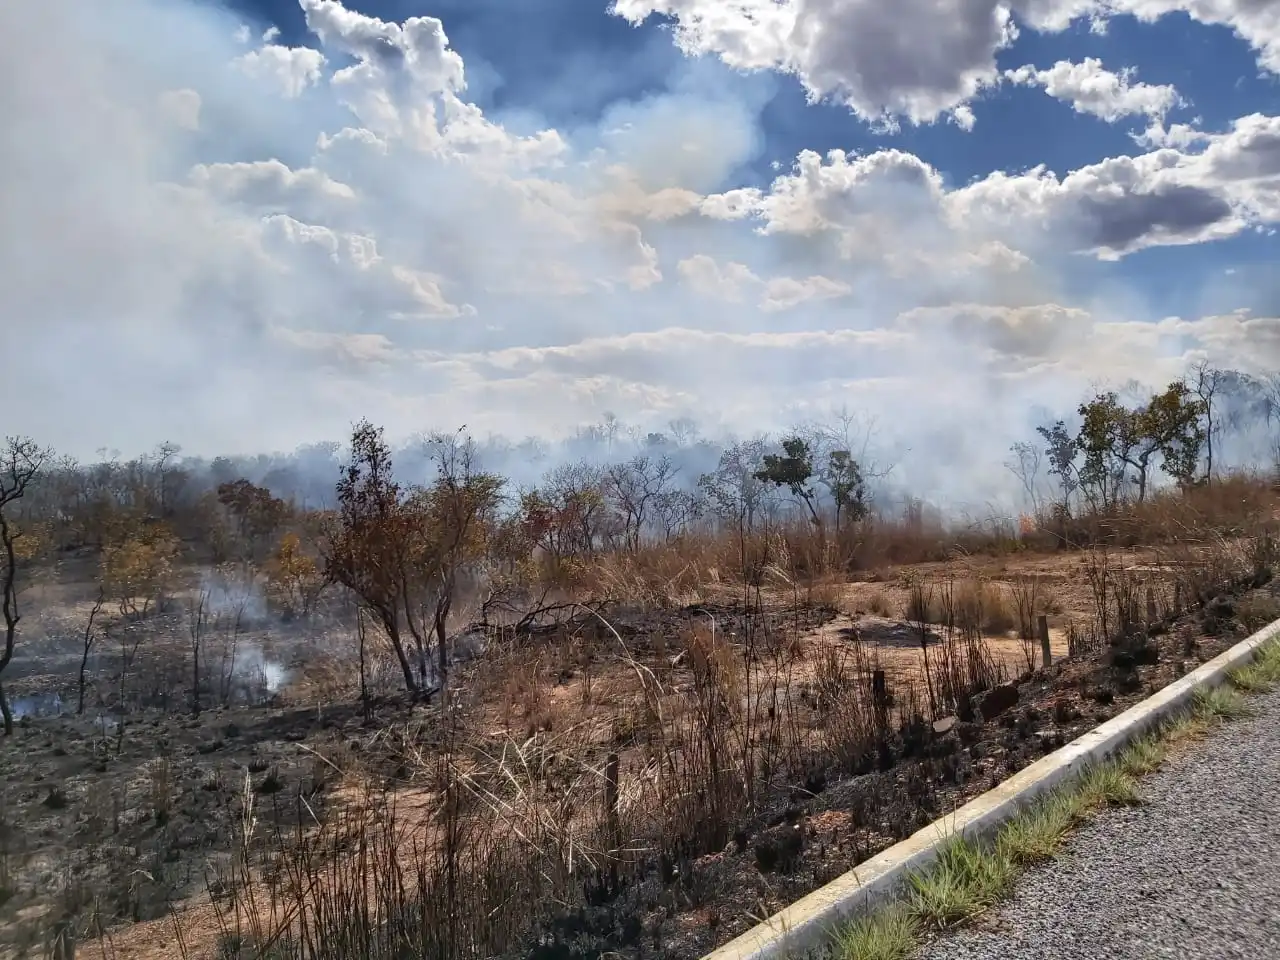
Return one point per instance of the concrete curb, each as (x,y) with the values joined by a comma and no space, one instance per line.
(807,924)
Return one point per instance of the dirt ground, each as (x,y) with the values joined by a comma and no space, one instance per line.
(132,828)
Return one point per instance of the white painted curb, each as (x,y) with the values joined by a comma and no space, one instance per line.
(808,924)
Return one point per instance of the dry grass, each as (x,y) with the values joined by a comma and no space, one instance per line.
(576,764)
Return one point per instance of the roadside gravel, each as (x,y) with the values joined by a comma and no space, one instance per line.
(1194,873)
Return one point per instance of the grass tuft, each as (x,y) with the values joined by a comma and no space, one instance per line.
(1221,703)
(1145,755)
(1260,675)
(1037,834)
(1108,785)
(889,934)
(964,880)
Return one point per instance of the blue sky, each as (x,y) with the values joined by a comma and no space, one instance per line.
(299,214)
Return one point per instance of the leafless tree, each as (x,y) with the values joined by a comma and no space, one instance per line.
(632,488)
(683,430)
(197,620)
(733,490)
(676,511)
(609,427)
(1025,465)
(1206,381)
(21,461)
(89,638)
(459,506)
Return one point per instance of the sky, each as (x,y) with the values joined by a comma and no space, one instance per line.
(243,225)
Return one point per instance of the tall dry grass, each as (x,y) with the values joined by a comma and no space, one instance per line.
(552,843)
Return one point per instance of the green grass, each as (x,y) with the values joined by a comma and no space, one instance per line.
(1222,703)
(969,877)
(965,879)
(1260,675)
(889,934)
(1038,834)
(1108,785)
(1146,754)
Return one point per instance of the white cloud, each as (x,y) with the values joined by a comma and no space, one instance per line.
(292,69)
(869,54)
(891,204)
(1090,88)
(736,283)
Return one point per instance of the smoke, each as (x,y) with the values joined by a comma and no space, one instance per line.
(238,603)
(233,598)
(259,670)
(244,246)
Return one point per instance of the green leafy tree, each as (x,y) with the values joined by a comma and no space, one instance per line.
(842,476)
(1176,423)
(1061,449)
(1107,438)
(1121,445)
(793,469)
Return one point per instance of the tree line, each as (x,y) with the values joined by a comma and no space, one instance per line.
(408,550)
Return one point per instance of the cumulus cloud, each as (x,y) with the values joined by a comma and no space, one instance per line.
(892,204)
(243,249)
(293,69)
(869,55)
(1090,88)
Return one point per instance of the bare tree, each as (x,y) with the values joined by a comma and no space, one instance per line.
(683,430)
(1025,465)
(457,508)
(88,645)
(734,491)
(1206,382)
(609,427)
(21,460)
(632,488)
(197,619)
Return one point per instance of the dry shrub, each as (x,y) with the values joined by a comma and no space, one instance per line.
(676,572)
(962,665)
(982,607)
(923,604)
(878,604)
(161,789)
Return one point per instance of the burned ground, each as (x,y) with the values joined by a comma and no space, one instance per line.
(140,838)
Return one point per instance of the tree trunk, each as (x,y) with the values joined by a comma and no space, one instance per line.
(195,680)
(84,663)
(393,634)
(7,713)
(442,639)
(1208,439)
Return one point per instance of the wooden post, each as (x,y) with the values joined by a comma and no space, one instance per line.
(1046,655)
